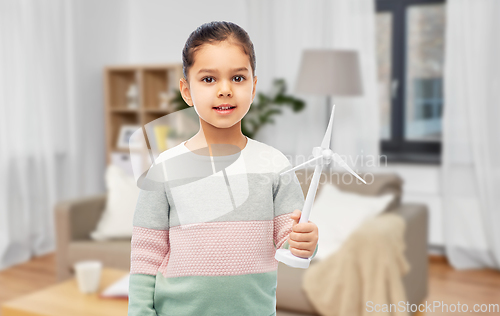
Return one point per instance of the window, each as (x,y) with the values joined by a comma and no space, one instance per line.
(410,56)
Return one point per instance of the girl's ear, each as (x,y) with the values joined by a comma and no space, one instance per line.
(186,94)
(254,85)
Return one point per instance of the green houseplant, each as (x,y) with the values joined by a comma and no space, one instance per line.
(262,110)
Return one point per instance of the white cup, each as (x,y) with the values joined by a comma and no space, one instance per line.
(88,275)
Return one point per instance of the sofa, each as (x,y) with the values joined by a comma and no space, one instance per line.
(76,218)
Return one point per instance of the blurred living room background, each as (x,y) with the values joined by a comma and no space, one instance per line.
(78,77)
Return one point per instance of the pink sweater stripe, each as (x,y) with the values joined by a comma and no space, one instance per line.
(149,247)
(220,248)
(282,228)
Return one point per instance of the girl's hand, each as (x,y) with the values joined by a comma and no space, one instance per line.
(303,238)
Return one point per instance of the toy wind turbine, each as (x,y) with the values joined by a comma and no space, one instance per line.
(322,156)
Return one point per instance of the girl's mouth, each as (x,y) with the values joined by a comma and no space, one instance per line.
(224,109)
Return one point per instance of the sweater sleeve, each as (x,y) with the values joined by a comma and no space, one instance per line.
(288,196)
(149,249)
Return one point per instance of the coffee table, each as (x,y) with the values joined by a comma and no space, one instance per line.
(65,299)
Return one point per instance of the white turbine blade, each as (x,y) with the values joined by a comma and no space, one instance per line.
(343,164)
(326,139)
(301,165)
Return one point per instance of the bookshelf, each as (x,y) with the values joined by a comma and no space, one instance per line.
(136,96)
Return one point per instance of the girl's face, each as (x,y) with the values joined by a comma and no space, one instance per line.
(221,75)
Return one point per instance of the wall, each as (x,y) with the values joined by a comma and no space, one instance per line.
(159,29)
(100,38)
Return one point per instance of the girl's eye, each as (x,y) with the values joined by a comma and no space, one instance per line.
(207,78)
(242,78)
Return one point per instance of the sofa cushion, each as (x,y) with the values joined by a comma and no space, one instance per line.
(116,220)
(377,183)
(338,213)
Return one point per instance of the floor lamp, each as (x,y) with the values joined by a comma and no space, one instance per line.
(331,73)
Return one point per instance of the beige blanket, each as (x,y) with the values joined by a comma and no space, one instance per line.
(368,267)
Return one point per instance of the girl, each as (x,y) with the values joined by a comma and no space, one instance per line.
(207,246)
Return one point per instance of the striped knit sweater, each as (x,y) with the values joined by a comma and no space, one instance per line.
(205,245)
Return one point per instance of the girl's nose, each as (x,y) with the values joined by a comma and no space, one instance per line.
(225,89)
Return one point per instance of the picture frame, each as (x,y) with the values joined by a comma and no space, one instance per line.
(125,139)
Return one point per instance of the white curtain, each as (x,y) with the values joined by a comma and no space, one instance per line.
(471,138)
(280,31)
(38,125)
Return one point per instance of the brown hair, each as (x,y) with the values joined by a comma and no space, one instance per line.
(214,32)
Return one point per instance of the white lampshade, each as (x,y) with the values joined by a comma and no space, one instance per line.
(329,72)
